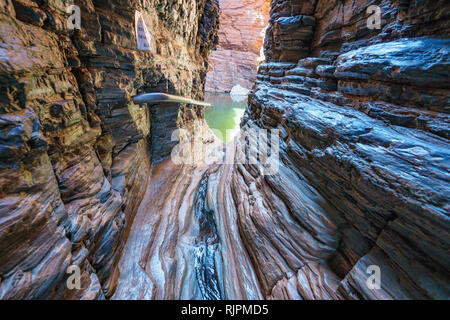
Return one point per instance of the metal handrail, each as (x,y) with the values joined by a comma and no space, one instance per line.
(156,97)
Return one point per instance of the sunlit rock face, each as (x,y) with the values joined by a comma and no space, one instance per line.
(75,152)
(364,176)
(241,35)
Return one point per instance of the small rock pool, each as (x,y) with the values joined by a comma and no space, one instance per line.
(225,115)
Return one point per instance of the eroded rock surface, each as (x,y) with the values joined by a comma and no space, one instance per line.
(363,180)
(363,116)
(241,36)
(75,152)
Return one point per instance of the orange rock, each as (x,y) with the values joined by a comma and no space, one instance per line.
(241,36)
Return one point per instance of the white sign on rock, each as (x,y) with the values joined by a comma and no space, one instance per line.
(144,35)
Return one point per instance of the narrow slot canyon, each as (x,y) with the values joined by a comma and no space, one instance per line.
(324,154)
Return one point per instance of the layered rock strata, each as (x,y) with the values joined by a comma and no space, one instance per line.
(75,151)
(241,36)
(363,178)
(364,181)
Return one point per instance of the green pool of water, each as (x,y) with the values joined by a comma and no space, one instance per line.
(224,116)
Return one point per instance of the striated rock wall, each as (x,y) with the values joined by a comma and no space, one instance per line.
(75,152)
(364,155)
(364,177)
(241,36)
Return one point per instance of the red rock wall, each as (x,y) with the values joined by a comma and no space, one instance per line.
(75,157)
(241,35)
(363,177)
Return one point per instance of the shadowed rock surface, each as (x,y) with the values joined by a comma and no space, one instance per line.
(75,156)
(365,179)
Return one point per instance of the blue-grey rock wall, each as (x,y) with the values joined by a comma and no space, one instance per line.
(364,117)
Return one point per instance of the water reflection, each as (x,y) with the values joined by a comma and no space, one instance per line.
(225,115)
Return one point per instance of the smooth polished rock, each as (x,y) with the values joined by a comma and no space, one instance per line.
(75,155)
(363,177)
(419,62)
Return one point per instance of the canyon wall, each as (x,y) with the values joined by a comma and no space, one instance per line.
(364,176)
(363,179)
(75,151)
(241,35)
